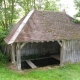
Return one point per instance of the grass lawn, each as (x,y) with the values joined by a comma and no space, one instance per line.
(68,72)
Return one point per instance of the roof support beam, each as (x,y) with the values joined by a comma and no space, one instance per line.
(22,45)
(59,43)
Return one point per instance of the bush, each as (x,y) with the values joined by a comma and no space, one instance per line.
(76,21)
(3,34)
(4,57)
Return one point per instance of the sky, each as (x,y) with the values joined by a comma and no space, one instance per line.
(69,6)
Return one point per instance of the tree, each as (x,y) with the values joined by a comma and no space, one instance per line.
(51,5)
(27,5)
(77,4)
(8,13)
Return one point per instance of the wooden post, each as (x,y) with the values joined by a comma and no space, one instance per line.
(61,55)
(18,57)
(12,54)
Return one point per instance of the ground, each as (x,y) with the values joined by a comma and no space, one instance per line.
(67,72)
(14,68)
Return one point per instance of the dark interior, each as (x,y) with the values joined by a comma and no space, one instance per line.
(39,50)
(40,54)
(41,63)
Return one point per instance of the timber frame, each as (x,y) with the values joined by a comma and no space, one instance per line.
(17,60)
(69,53)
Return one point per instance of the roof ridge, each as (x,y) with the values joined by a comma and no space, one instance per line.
(20,27)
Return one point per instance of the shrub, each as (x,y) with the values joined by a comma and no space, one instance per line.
(3,34)
(76,21)
(4,57)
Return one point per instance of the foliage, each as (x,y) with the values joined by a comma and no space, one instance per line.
(76,21)
(11,10)
(8,13)
(3,34)
(77,4)
(27,5)
(51,5)
(78,14)
(4,58)
(68,72)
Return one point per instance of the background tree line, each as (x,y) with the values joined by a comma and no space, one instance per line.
(77,4)
(10,9)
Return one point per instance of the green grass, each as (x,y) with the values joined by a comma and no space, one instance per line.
(68,72)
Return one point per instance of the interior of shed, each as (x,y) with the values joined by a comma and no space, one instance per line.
(40,54)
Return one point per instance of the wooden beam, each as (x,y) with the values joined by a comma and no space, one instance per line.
(31,64)
(12,53)
(59,43)
(18,57)
(22,45)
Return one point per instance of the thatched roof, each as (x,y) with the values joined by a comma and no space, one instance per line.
(44,26)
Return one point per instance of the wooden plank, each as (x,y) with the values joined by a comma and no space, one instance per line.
(56,56)
(42,48)
(63,53)
(31,64)
(70,52)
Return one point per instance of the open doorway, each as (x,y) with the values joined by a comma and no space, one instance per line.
(41,54)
